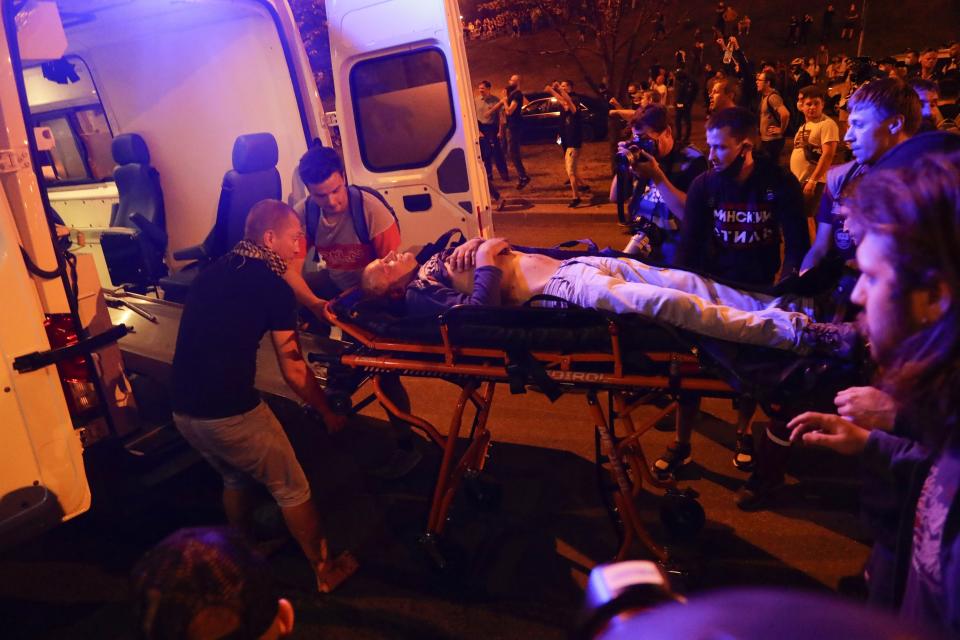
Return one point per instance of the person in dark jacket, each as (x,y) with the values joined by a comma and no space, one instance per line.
(908,225)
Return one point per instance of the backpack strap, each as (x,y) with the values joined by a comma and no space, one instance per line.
(311,220)
(357,214)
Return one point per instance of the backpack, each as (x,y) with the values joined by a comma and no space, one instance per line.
(311,213)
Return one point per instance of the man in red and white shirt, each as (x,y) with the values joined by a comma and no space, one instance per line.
(335,238)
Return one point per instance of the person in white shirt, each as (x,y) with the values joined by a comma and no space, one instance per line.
(814,146)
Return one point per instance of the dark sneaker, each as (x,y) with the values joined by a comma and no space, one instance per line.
(584,188)
(839,340)
(400,463)
(524,181)
(574,203)
(666,466)
(757,493)
(743,457)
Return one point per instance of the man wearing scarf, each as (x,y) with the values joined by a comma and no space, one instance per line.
(232,304)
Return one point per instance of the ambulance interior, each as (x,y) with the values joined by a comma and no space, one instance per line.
(188,77)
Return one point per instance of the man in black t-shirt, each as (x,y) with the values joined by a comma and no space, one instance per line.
(660,180)
(230,307)
(735,218)
(571,134)
(513,110)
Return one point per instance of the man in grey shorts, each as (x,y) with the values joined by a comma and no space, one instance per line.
(230,306)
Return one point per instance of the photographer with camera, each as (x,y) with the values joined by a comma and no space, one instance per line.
(654,172)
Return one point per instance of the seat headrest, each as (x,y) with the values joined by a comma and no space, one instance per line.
(255,152)
(130,148)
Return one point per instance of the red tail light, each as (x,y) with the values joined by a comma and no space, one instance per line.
(74,373)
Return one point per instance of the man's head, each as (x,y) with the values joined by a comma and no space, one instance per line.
(566,85)
(206,583)
(484,88)
(387,276)
(765,81)
(883,112)
(274,225)
(908,222)
(514,81)
(729,137)
(651,122)
(928,60)
(929,94)
(724,94)
(322,173)
(811,99)
(910,57)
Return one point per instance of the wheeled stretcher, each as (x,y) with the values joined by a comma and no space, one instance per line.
(554,350)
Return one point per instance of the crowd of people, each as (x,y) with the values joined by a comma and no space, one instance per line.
(752,210)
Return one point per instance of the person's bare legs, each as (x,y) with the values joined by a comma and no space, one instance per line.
(238,505)
(304,524)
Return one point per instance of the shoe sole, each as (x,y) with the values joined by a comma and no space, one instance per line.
(666,474)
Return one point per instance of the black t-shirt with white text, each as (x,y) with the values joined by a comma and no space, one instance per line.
(733,231)
(231,305)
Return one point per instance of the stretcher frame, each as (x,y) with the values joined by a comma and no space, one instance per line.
(477,371)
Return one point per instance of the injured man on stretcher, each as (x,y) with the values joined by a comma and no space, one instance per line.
(491,272)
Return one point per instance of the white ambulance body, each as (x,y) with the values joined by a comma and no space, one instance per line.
(189,77)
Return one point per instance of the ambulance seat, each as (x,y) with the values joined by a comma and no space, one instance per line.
(254,177)
(136,243)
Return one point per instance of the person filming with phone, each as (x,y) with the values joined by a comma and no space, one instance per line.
(654,173)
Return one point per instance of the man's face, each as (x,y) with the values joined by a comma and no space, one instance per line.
(483,90)
(761,82)
(285,240)
(911,58)
(515,81)
(716,97)
(884,321)
(928,104)
(394,266)
(565,86)
(724,148)
(928,61)
(868,134)
(812,108)
(664,139)
(331,194)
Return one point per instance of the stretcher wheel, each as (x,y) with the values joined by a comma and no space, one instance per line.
(482,492)
(681,514)
(442,556)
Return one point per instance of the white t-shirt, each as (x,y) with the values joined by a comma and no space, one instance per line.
(814,134)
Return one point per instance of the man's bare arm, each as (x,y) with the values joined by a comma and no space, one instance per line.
(301,290)
(298,375)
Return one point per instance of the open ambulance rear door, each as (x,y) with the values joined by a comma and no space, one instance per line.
(406,112)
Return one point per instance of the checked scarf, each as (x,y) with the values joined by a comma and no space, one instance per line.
(247,249)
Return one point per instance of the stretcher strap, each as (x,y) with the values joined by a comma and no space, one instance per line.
(523,367)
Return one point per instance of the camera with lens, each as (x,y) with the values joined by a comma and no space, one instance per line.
(630,153)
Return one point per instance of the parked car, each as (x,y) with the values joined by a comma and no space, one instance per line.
(541,118)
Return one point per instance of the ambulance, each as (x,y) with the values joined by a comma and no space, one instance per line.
(127,129)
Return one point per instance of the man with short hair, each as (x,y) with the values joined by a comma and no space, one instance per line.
(571,135)
(933,119)
(659,180)
(774,116)
(205,583)
(735,218)
(513,110)
(928,66)
(348,227)
(813,147)
(216,407)
(724,94)
(488,119)
(883,113)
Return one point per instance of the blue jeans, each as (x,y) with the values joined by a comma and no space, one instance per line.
(684,300)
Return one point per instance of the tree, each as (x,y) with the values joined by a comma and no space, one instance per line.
(617,34)
(311,16)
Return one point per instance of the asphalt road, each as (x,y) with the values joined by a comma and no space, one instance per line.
(521,566)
